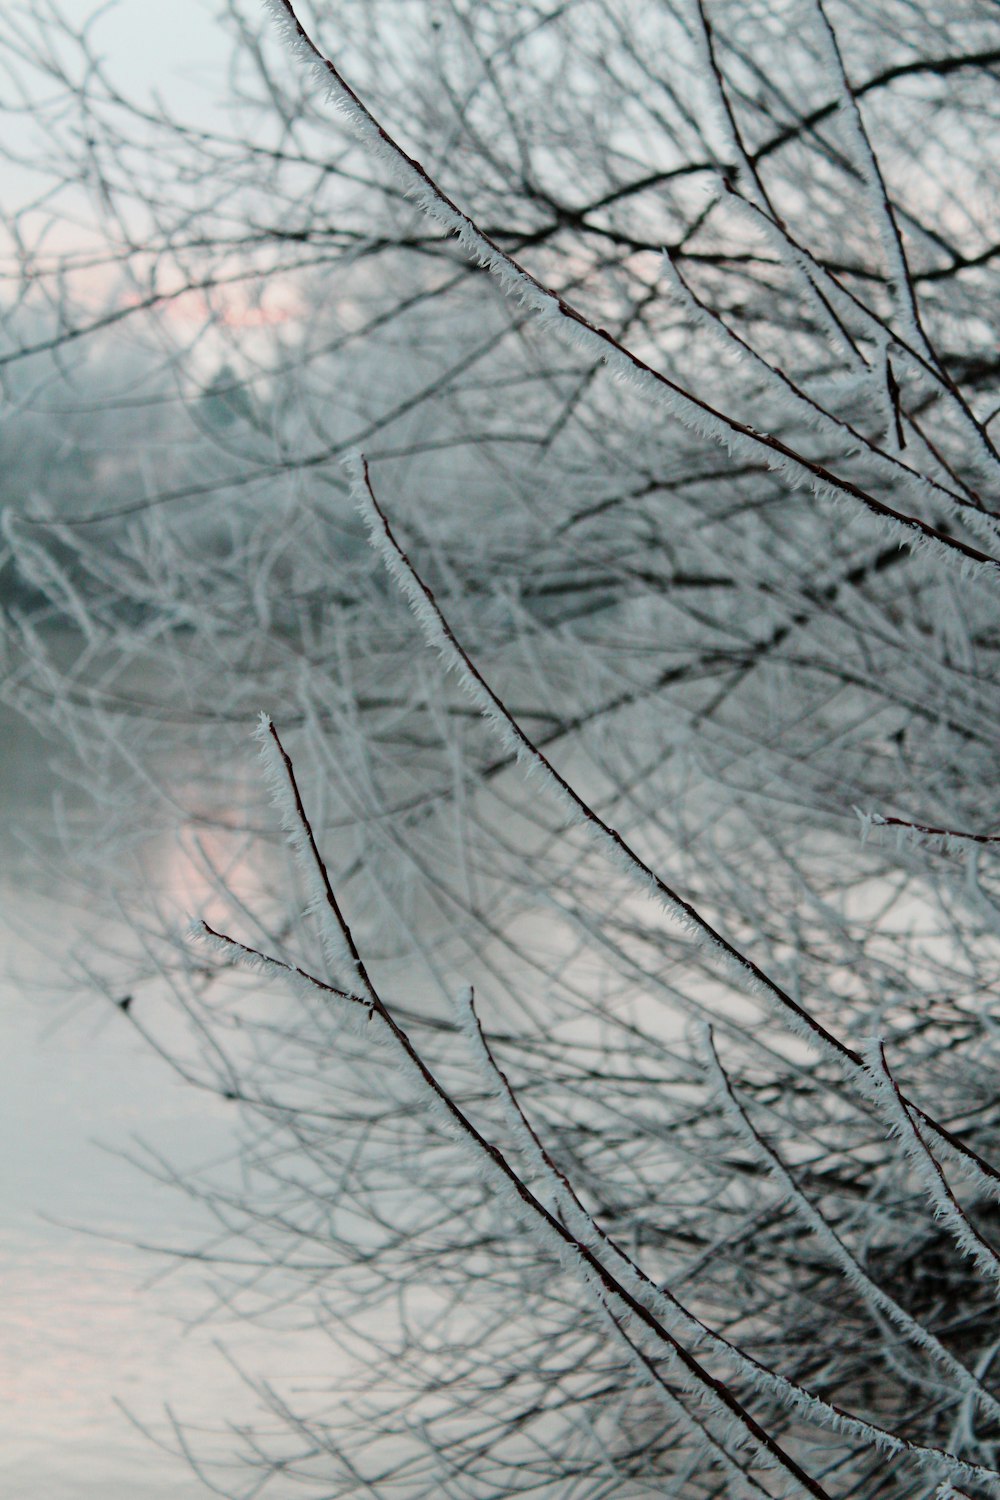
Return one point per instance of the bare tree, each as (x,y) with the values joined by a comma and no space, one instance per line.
(696,1196)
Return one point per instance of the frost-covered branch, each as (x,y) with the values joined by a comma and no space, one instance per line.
(738,437)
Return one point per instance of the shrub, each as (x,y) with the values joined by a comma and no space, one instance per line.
(695,1195)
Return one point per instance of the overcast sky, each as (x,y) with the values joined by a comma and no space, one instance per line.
(178,48)
(179,51)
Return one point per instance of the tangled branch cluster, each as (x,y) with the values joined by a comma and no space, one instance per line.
(698,1196)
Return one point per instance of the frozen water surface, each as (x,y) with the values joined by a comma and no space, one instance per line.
(87,1320)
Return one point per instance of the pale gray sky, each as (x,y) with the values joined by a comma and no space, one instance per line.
(178,47)
(178,50)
